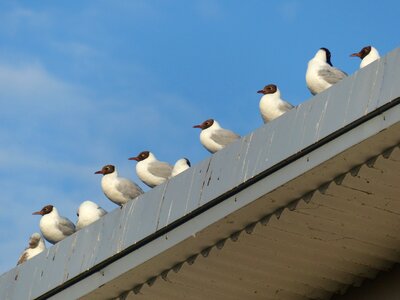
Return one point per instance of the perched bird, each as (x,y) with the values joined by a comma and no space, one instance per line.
(150,170)
(36,245)
(180,166)
(88,212)
(367,54)
(320,73)
(271,104)
(119,190)
(53,226)
(213,137)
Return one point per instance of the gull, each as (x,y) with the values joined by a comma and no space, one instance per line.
(213,137)
(35,246)
(271,104)
(119,190)
(53,226)
(88,212)
(150,170)
(367,54)
(320,73)
(180,166)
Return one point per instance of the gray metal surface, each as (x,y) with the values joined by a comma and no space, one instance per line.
(183,216)
(310,251)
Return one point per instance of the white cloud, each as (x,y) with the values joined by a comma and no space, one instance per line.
(32,86)
(19,17)
(56,134)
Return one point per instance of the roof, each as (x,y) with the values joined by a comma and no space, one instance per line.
(303,207)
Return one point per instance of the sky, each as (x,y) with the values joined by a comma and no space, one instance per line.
(89,83)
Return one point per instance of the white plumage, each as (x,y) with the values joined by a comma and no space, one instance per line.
(321,74)
(88,212)
(36,245)
(213,137)
(181,165)
(271,104)
(367,54)
(150,170)
(53,226)
(118,189)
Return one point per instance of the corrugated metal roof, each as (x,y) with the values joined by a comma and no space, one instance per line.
(302,207)
(345,232)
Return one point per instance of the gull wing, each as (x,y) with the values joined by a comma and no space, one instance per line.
(160,169)
(332,75)
(224,136)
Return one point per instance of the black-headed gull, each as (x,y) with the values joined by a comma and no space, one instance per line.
(271,103)
(53,226)
(321,74)
(367,54)
(150,170)
(213,137)
(180,166)
(88,212)
(35,246)
(118,189)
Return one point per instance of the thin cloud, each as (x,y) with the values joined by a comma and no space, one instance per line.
(78,49)
(209,9)
(17,18)
(54,136)
(289,10)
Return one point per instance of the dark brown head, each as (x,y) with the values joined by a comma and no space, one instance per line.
(45,210)
(268,89)
(363,53)
(187,161)
(205,124)
(142,156)
(328,55)
(108,169)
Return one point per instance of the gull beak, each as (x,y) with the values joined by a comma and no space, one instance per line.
(355,54)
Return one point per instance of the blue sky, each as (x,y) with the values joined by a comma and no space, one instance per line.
(88,83)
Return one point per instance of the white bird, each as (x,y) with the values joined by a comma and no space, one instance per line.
(180,166)
(88,212)
(35,246)
(367,54)
(53,226)
(213,137)
(321,74)
(150,170)
(271,104)
(119,190)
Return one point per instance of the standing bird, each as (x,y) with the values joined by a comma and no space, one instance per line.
(271,104)
(150,170)
(213,137)
(88,212)
(53,226)
(367,54)
(180,166)
(36,245)
(320,73)
(119,190)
